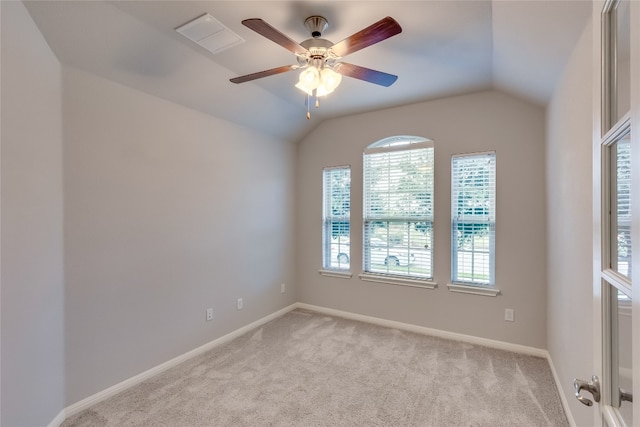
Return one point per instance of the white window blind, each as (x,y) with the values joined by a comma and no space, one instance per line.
(621,200)
(473,211)
(336,218)
(398,207)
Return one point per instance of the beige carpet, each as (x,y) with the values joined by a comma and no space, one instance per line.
(309,369)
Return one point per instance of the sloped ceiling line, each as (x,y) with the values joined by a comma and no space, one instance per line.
(446,48)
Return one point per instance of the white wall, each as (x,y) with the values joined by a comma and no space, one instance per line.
(570,223)
(471,123)
(32,208)
(167,212)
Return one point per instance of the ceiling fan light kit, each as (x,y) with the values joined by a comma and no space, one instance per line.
(319,58)
(321,79)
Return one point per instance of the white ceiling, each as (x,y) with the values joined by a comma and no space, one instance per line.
(446,48)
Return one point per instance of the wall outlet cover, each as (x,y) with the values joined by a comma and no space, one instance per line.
(508,314)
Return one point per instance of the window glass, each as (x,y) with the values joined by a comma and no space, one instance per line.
(336,218)
(622,60)
(473,200)
(621,206)
(398,207)
(617,75)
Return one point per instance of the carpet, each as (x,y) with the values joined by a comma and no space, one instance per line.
(310,369)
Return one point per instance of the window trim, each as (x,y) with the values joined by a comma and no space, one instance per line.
(473,289)
(618,132)
(341,274)
(463,286)
(398,280)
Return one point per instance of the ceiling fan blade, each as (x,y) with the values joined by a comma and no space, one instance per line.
(366,74)
(261,74)
(266,30)
(374,33)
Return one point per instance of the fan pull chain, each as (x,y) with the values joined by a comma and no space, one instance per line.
(315,96)
(307,102)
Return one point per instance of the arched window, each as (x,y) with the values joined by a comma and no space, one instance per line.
(398,207)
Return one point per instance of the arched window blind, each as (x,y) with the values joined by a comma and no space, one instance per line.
(398,207)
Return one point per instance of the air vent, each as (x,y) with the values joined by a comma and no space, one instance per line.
(209,33)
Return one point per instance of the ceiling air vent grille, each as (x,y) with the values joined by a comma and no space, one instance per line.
(209,33)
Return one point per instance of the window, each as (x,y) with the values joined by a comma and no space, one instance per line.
(336,214)
(473,207)
(398,207)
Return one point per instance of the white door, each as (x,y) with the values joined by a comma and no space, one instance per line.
(616,184)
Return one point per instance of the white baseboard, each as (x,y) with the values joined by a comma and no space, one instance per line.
(563,396)
(59,419)
(113,390)
(500,345)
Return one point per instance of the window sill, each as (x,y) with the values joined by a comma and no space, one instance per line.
(380,278)
(474,290)
(336,273)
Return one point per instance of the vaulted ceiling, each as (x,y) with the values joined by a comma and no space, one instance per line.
(446,48)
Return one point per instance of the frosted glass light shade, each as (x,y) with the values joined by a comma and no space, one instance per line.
(330,79)
(304,89)
(309,80)
(322,81)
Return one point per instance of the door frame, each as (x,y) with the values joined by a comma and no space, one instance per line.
(605,415)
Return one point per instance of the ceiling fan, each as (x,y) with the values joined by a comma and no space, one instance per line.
(320,59)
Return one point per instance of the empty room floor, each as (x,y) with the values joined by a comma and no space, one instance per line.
(310,369)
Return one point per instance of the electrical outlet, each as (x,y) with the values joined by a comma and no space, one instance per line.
(282,288)
(508,314)
(239,304)
(209,314)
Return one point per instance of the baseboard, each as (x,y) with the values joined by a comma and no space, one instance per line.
(500,345)
(58,420)
(563,396)
(113,390)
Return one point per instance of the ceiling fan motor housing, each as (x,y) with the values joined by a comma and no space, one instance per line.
(318,54)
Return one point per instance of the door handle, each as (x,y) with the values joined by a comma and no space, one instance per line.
(592,387)
(625,395)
